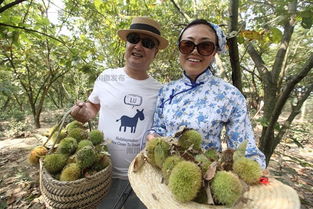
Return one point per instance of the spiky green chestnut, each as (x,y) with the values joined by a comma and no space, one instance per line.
(101,148)
(226,188)
(55,162)
(102,162)
(78,133)
(240,151)
(36,154)
(150,149)
(168,166)
(211,154)
(96,136)
(71,159)
(74,124)
(86,156)
(70,173)
(190,137)
(204,162)
(248,170)
(161,152)
(67,146)
(84,143)
(185,181)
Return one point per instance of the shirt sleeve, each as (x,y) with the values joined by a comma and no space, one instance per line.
(239,129)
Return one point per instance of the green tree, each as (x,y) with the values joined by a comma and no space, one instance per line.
(282,66)
(35,55)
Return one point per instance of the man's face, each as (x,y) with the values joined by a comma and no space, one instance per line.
(139,55)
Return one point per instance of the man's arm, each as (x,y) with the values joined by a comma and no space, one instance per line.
(85,111)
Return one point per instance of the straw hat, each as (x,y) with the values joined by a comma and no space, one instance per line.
(147,26)
(147,185)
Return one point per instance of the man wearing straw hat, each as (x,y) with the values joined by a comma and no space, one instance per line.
(125,99)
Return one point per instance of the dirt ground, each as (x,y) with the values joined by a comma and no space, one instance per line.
(19,181)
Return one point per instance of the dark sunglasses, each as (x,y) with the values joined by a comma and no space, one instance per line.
(205,48)
(146,42)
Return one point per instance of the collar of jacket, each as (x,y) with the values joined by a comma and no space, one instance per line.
(201,78)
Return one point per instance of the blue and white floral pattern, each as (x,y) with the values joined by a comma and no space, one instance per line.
(206,105)
(221,38)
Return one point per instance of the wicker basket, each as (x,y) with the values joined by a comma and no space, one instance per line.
(82,193)
(147,185)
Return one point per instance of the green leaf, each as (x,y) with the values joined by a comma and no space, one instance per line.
(99,5)
(240,39)
(277,126)
(15,37)
(307,22)
(276,35)
(263,121)
(43,21)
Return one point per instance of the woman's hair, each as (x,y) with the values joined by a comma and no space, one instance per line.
(198,22)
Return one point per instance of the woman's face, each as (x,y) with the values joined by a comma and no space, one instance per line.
(194,63)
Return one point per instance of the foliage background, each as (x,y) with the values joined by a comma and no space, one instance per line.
(45,68)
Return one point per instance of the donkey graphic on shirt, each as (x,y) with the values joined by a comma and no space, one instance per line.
(131,122)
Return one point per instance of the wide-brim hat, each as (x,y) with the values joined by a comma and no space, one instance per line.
(146,26)
(148,186)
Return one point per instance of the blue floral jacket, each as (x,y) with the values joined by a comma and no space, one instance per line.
(207,105)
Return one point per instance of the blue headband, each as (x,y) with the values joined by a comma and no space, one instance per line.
(221,38)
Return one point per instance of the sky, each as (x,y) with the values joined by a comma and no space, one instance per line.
(55,6)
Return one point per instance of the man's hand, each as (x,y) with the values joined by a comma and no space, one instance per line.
(81,112)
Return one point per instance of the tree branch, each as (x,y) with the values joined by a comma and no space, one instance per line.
(2,9)
(257,59)
(34,31)
(181,12)
(281,53)
(47,35)
(251,72)
(293,114)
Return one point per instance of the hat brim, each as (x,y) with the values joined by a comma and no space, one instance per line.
(163,42)
(146,183)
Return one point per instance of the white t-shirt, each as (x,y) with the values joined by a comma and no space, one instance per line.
(126,112)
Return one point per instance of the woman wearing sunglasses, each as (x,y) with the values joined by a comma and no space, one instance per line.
(201,101)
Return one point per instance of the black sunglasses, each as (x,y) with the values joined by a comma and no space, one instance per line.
(146,42)
(205,48)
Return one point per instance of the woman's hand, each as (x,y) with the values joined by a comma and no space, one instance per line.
(150,137)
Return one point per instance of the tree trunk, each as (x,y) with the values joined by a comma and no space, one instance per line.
(5,105)
(269,141)
(37,120)
(233,45)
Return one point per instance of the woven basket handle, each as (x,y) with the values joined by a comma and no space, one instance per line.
(59,127)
